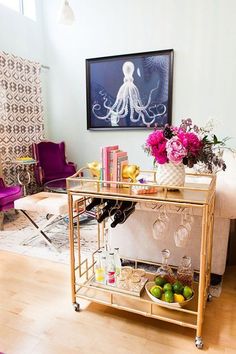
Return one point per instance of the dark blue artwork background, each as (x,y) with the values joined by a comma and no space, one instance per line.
(106,75)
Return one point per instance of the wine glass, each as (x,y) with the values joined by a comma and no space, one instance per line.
(158,228)
(182,233)
(181,236)
(163,214)
(160,224)
(188,220)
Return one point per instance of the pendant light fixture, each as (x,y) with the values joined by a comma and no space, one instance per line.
(66,15)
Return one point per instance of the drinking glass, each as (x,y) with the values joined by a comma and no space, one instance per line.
(134,282)
(122,280)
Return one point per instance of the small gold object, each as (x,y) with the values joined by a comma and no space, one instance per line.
(130,171)
(95,168)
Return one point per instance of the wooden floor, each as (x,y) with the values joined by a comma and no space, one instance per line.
(36,317)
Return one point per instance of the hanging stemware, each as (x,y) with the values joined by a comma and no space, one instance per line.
(160,224)
(182,233)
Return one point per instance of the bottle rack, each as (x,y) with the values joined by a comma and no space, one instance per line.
(199,193)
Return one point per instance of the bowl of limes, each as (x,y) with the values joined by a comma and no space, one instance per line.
(169,295)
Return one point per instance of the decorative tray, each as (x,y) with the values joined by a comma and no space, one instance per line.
(132,283)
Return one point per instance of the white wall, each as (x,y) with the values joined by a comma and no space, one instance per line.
(23,37)
(202,34)
(20,35)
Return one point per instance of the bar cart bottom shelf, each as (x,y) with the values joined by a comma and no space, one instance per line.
(186,317)
(142,305)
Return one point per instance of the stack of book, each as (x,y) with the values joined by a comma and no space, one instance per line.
(113,161)
(25,160)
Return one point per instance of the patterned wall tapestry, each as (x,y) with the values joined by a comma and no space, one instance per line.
(21,111)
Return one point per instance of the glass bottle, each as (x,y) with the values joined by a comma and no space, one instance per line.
(108,210)
(106,241)
(185,272)
(94,202)
(104,266)
(117,261)
(165,270)
(102,249)
(122,214)
(99,269)
(111,270)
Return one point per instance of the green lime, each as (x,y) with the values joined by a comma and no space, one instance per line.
(163,297)
(178,287)
(167,287)
(156,291)
(169,296)
(187,292)
(160,281)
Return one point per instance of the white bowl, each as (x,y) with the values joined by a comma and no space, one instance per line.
(164,303)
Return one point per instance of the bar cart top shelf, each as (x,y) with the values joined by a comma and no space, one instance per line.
(198,189)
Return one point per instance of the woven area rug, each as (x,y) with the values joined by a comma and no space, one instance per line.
(17,228)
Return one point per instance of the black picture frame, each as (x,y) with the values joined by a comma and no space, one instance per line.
(131,91)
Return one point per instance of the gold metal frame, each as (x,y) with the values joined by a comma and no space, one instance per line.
(193,195)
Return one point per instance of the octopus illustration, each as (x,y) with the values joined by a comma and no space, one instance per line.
(128,100)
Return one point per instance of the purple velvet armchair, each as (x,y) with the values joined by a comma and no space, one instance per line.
(52,162)
(7,197)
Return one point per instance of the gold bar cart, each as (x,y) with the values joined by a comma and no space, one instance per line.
(198,193)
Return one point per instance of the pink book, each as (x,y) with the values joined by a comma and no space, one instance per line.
(106,156)
(118,157)
(102,160)
(111,163)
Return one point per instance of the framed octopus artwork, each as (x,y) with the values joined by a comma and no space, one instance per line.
(131,91)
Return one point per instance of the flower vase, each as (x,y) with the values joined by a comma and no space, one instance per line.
(171,174)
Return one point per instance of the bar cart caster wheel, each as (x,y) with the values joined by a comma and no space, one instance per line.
(76,307)
(209,298)
(199,342)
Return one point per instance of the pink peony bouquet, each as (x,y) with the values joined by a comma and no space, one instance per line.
(187,144)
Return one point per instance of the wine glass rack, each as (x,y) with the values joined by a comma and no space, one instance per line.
(198,193)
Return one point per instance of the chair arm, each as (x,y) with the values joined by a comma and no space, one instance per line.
(72,164)
(2,184)
(39,174)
